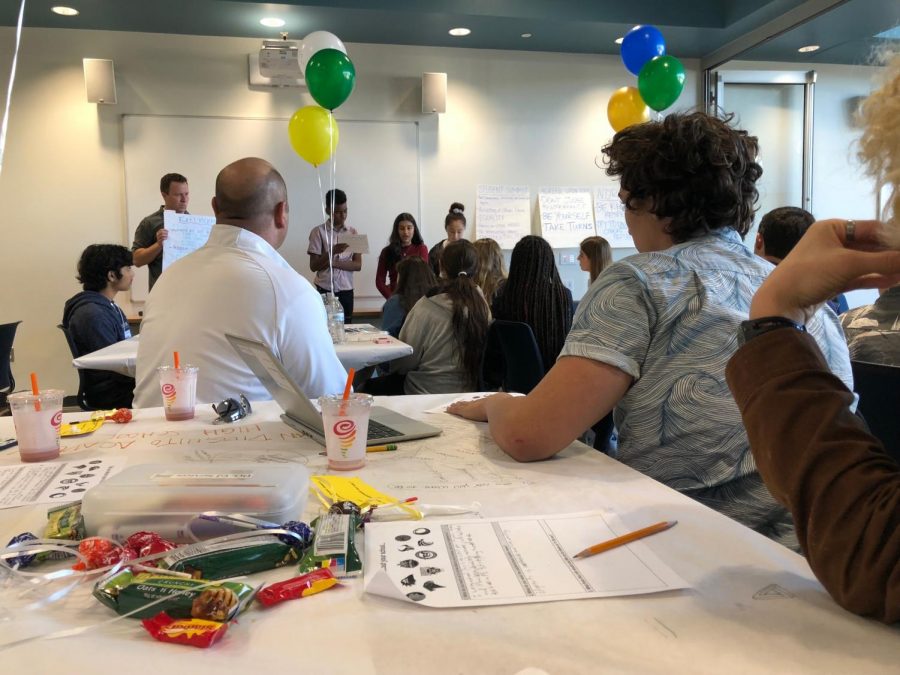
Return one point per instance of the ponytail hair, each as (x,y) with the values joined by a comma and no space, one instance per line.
(471,316)
(456,213)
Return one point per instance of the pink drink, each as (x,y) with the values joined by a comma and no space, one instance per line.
(37,431)
(179,391)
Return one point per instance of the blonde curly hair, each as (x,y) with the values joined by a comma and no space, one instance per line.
(879,146)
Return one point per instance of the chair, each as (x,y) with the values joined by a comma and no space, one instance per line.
(81,398)
(522,365)
(878,387)
(7,381)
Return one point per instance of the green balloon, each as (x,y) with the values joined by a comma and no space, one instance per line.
(330,76)
(661,82)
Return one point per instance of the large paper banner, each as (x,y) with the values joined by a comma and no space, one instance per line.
(503,213)
(187,233)
(611,217)
(567,215)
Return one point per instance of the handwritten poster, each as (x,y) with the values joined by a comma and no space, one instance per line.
(187,233)
(567,215)
(503,213)
(611,217)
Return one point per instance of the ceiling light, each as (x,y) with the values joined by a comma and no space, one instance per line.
(809,48)
(272,22)
(620,40)
(459,32)
(64,11)
(526,35)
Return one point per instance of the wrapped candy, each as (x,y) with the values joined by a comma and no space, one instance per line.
(299,587)
(193,632)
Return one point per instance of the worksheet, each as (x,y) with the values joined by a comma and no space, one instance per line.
(356,243)
(503,561)
(187,233)
(52,482)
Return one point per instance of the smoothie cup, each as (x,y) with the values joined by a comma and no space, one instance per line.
(179,391)
(346,425)
(37,418)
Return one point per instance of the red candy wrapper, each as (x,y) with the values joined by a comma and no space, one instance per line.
(299,587)
(98,552)
(148,543)
(120,416)
(193,632)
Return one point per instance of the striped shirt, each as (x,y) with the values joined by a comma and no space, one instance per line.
(670,320)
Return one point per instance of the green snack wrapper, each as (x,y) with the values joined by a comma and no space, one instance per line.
(187,598)
(231,558)
(334,546)
(65,522)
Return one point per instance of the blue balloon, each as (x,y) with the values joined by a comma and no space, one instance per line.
(641,44)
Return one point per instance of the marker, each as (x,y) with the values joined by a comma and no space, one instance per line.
(382,448)
(8,443)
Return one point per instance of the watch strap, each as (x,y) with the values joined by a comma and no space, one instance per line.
(755,327)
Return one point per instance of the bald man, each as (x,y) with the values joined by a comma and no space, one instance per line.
(238,283)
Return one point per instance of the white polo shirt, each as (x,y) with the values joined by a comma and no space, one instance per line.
(236,283)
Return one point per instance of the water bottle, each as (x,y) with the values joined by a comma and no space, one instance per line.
(335,312)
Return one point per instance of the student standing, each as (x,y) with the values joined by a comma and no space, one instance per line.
(405,241)
(334,265)
(455,227)
(150,233)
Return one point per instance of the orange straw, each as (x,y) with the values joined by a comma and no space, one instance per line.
(347,388)
(36,391)
(177,360)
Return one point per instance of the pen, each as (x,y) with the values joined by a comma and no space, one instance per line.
(382,448)
(8,443)
(625,539)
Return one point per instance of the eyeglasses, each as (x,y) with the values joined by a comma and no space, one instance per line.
(231,410)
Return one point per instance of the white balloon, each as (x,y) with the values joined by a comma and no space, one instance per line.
(315,42)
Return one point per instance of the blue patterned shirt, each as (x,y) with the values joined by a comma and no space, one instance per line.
(670,320)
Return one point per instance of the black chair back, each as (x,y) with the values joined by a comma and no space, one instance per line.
(878,387)
(7,381)
(81,399)
(514,342)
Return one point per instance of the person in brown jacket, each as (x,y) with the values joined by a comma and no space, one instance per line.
(815,456)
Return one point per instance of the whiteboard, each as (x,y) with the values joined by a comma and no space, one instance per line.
(376,164)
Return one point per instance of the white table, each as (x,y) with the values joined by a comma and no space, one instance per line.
(754,606)
(364,346)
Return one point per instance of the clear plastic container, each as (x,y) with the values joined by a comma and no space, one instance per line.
(335,312)
(168,498)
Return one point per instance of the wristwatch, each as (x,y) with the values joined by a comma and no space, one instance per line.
(756,327)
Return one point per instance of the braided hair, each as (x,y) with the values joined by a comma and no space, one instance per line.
(471,315)
(534,294)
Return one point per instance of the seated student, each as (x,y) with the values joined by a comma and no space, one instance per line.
(594,256)
(414,280)
(455,227)
(237,283)
(94,321)
(405,241)
(534,294)
(779,231)
(446,329)
(654,331)
(873,331)
(816,456)
(491,269)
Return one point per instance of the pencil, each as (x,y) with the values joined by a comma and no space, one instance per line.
(381,448)
(625,539)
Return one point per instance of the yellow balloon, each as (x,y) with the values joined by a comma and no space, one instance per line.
(314,134)
(626,107)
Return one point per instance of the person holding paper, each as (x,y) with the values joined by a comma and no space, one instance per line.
(653,333)
(94,321)
(455,227)
(331,260)
(405,241)
(238,284)
(150,233)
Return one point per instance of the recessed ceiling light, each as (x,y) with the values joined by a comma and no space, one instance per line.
(620,40)
(809,48)
(272,22)
(526,35)
(459,32)
(64,11)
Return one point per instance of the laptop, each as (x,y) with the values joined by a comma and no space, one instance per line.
(385,426)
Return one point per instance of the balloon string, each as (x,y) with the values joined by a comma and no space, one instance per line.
(12,78)
(333,180)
